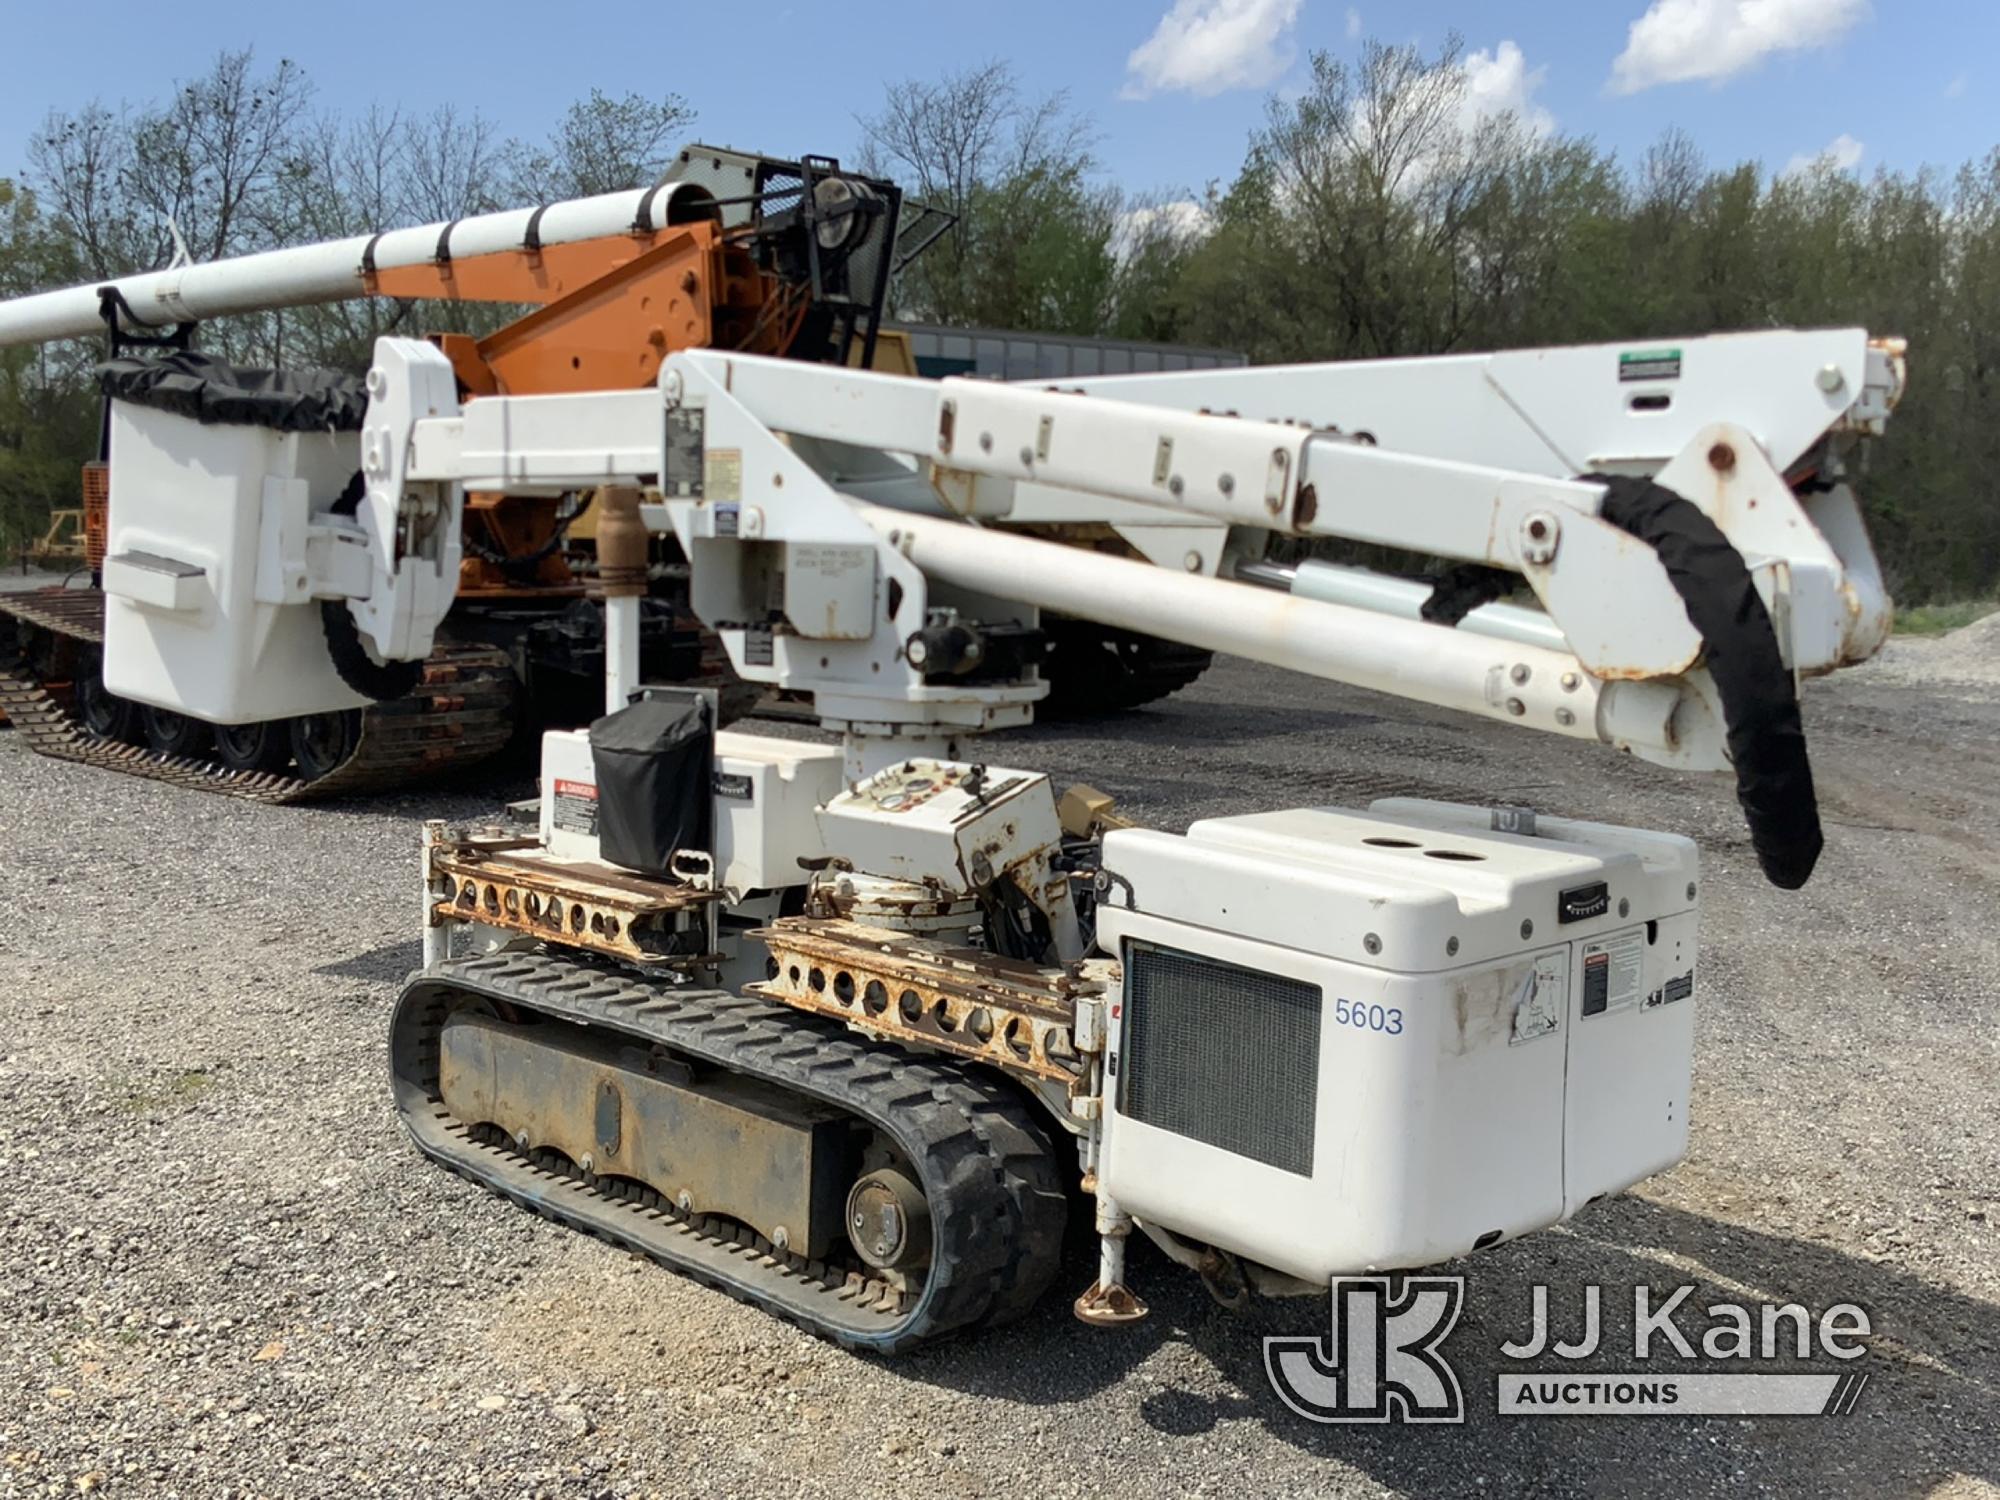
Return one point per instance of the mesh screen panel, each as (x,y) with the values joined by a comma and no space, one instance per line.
(1221,1054)
(96,513)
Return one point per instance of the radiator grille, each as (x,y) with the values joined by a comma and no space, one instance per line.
(1222,1054)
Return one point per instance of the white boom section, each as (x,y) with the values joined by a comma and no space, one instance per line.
(985,444)
(1622,408)
(1614,408)
(767,529)
(333,271)
(1333,583)
(1531,685)
(778,477)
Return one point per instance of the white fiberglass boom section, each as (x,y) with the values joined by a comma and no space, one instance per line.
(846,531)
(329,272)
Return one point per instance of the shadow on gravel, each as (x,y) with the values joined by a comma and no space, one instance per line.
(1931,1407)
(390,962)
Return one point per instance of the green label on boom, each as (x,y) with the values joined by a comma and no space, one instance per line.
(1650,364)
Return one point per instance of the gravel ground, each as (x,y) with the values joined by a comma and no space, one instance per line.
(225,1271)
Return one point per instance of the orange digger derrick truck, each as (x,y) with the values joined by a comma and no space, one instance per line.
(732,252)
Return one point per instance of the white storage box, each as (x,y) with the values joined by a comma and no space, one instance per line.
(1369,1041)
(193,508)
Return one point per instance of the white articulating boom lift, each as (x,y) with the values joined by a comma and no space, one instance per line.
(842,1028)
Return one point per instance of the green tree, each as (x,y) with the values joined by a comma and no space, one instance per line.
(47,420)
(1031,240)
(602,145)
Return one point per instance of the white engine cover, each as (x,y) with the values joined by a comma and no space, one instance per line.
(1351,1042)
(200,613)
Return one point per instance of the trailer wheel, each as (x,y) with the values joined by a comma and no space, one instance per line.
(169,733)
(263,746)
(322,743)
(103,714)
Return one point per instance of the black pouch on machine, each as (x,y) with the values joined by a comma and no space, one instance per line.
(655,769)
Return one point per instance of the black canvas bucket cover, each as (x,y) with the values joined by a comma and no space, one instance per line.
(211,390)
(654,761)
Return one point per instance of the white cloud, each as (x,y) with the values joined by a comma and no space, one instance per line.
(1843,154)
(1676,41)
(1353,24)
(1182,219)
(1956,87)
(1500,82)
(1210,46)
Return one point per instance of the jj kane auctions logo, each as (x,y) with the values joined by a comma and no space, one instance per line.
(1382,1360)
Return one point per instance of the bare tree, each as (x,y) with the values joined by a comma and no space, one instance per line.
(209,162)
(1380,175)
(79,162)
(344,178)
(204,174)
(944,139)
(1031,237)
(603,145)
(452,165)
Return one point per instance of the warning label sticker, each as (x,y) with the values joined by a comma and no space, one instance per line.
(1541,997)
(576,807)
(722,473)
(1677,988)
(685,425)
(1613,970)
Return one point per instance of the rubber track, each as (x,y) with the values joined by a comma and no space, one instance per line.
(1095,670)
(461,712)
(997,1206)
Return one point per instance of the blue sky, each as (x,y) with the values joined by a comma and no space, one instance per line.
(1174,87)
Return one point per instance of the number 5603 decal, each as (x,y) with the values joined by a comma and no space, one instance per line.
(1387,1019)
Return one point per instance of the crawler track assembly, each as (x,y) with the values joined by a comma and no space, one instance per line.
(461,711)
(1095,669)
(995,1205)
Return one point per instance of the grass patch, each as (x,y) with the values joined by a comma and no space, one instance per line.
(178,1089)
(1939,619)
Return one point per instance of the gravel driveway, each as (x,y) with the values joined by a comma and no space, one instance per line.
(226,1272)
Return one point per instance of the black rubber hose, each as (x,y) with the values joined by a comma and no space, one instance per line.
(380,681)
(360,671)
(1760,704)
(348,501)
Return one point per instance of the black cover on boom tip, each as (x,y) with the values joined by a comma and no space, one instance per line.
(1760,704)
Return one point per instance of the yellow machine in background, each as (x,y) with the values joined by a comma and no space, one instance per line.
(61,546)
